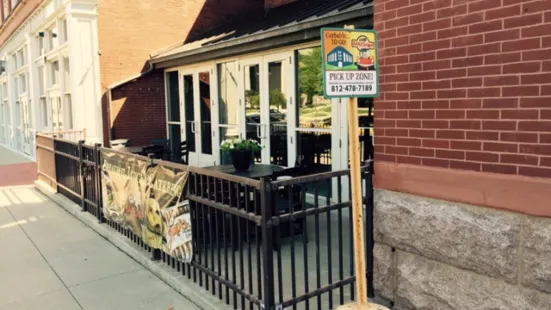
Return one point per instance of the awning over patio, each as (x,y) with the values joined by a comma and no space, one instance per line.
(289,24)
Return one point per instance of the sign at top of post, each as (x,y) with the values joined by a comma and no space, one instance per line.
(349,63)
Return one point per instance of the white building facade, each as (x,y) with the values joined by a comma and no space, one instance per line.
(49,79)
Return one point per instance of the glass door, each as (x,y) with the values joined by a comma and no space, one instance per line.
(266,85)
(275,97)
(251,74)
(197,113)
(173,105)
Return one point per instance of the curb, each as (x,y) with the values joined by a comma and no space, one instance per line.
(202,299)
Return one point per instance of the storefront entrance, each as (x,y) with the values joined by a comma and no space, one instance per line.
(275,99)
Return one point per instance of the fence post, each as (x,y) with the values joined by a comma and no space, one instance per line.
(81,176)
(369,235)
(98,173)
(55,164)
(267,244)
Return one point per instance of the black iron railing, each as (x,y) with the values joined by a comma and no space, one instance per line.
(258,244)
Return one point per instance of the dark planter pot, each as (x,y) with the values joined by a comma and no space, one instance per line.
(241,160)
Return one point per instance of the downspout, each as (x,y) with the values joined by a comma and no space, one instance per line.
(113,86)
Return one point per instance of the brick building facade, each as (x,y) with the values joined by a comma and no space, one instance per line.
(465,85)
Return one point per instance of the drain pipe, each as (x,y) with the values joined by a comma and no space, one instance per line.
(110,98)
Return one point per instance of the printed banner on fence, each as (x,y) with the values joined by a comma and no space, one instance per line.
(148,201)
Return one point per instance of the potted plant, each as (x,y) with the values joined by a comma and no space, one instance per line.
(241,151)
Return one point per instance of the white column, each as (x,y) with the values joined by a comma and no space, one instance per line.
(84,65)
(32,91)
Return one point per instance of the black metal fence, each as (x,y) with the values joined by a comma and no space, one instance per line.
(258,243)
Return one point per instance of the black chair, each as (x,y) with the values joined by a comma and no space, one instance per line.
(285,200)
(165,144)
(156,151)
(182,155)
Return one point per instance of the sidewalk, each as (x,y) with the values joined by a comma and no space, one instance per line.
(50,260)
(15,169)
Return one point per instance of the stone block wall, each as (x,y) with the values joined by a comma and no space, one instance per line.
(433,254)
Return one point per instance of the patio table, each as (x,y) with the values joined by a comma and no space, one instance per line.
(132,149)
(256,171)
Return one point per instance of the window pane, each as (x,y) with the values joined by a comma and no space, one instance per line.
(44,112)
(173,97)
(55,72)
(190,112)
(64,36)
(175,139)
(41,87)
(252,101)
(40,45)
(23,83)
(50,36)
(69,109)
(67,74)
(314,111)
(227,87)
(278,114)
(205,110)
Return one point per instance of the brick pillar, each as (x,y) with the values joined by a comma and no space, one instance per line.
(465,84)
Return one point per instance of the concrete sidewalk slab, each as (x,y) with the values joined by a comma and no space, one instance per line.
(136,296)
(53,261)
(177,281)
(56,300)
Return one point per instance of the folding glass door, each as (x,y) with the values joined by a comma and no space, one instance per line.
(267,86)
(197,114)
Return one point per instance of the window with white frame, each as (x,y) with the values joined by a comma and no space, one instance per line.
(42,97)
(40,41)
(52,37)
(57,113)
(67,92)
(54,73)
(63,33)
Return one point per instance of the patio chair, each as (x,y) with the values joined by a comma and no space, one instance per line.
(181,156)
(286,201)
(165,143)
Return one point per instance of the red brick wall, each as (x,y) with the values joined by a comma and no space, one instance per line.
(129,31)
(140,109)
(465,84)
(16,18)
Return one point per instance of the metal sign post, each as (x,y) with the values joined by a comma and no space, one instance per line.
(350,71)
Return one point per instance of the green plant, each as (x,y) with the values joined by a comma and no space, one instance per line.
(277,98)
(310,75)
(240,145)
(252,98)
